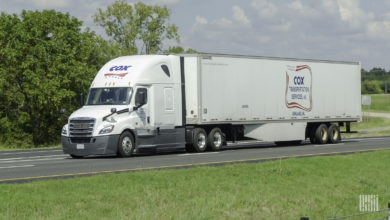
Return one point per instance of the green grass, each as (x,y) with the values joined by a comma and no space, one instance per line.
(319,187)
(373,123)
(379,103)
(4,147)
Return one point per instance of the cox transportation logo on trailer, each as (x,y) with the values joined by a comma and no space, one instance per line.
(299,88)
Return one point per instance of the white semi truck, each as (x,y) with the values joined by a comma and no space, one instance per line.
(199,102)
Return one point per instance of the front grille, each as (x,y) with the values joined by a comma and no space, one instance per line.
(81,140)
(81,127)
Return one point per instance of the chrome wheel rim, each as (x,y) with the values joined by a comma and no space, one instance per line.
(127,145)
(335,134)
(324,134)
(201,140)
(217,139)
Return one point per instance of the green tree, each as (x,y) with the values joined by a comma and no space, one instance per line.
(372,87)
(179,50)
(137,29)
(46,61)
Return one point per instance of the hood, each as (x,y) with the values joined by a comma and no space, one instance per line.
(95,111)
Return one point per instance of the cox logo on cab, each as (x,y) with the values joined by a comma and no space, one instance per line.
(119,68)
(298,80)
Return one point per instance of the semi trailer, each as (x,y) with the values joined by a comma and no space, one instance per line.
(199,102)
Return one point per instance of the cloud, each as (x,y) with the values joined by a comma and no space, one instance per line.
(164,2)
(200,20)
(330,6)
(378,29)
(223,22)
(48,3)
(283,27)
(264,8)
(350,12)
(239,16)
(303,10)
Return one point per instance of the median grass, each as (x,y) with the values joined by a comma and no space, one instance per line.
(369,127)
(318,187)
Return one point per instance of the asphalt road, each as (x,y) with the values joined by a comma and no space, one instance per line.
(22,166)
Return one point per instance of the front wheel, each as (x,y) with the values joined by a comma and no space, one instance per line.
(126,144)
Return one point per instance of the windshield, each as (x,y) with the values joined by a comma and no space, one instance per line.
(109,96)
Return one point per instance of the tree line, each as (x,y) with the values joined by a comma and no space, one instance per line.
(47,58)
(375,80)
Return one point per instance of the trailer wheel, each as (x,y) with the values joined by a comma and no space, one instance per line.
(126,144)
(215,139)
(334,134)
(200,140)
(321,134)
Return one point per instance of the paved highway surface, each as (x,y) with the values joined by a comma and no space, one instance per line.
(22,166)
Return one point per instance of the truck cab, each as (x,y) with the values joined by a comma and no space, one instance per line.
(134,103)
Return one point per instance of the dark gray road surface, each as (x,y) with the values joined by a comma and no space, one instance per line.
(22,166)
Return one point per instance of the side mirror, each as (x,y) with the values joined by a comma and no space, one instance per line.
(113,110)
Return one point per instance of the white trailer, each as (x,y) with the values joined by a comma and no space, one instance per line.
(200,101)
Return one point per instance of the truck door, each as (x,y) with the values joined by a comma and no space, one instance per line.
(142,101)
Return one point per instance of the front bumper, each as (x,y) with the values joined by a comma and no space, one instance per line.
(102,145)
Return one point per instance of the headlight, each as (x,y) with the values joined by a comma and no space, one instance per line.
(64,131)
(106,129)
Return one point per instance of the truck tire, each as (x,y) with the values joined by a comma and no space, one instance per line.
(334,134)
(215,139)
(321,134)
(126,144)
(200,140)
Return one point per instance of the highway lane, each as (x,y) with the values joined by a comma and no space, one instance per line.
(21,166)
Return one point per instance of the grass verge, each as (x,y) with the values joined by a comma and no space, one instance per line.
(379,103)
(368,129)
(4,147)
(319,187)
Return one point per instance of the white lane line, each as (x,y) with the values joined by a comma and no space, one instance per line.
(378,138)
(19,158)
(197,154)
(34,160)
(323,145)
(362,139)
(246,142)
(352,140)
(29,152)
(10,167)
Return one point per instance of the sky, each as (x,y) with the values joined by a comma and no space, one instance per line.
(343,30)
